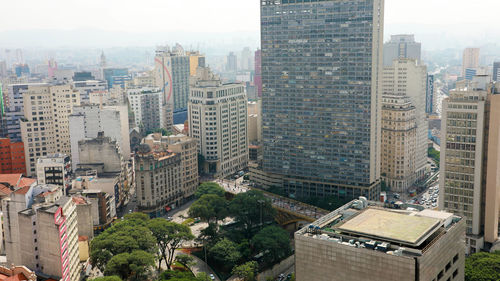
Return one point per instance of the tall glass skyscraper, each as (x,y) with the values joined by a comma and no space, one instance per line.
(321,70)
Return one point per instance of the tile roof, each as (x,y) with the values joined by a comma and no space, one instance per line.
(12,179)
(23,190)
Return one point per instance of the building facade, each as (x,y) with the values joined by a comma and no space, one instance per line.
(366,241)
(470,59)
(88,86)
(219,122)
(401,46)
(54,169)
(321,97)
(45,125)
(147,105)
(496,71)
(12,157)
(429,95)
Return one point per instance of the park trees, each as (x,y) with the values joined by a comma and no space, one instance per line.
(209,188)
(246,271)
(134,266)
(273,242)
(251,208)
(483,267)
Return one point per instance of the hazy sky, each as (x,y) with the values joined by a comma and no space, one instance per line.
(211,15)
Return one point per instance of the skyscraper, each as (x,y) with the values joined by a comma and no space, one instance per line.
(496,71)
(470,59)
(321,68)
(401,46)
(232,62)
(258,73)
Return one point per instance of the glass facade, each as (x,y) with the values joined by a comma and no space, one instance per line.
(319,112)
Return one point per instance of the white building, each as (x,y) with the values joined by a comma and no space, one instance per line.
(218,119)
(146,103)
(88,120)
(54,169)
(88,86)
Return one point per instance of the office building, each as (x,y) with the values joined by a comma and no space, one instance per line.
(258,73)
(195,59)
(496,71)
(429,95)
(365,240)
(470,59)
(88,86)
(54,169)
(401,46)
(467,175)
(22,70)
(218,120)
(246,61)
(403,158)
(116,76)
(45,124)
(83,76)
(158,180)
(147,105)
(321,97)
(41,231)
(232,62)
(12,157)
(470,73)
(172,71)
(88,120)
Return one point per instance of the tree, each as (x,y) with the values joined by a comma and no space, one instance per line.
(169,237)
(209,207)
(483,267)
(185,260)
(107,278)
(209,188)
(225,252)
(273,242)
(123,237)
(246,271)
(250,208)
(170,275)
(133,266)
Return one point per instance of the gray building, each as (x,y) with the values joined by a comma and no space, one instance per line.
(401,46)
(496,71)
(321,68)
(368,241)
(429,95)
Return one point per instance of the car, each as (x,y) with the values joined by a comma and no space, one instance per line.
(212,277)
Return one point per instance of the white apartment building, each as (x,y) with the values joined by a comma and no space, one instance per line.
(45,125)
(88,120)
(218,120)
(407,78)
(54,169)
(146,103)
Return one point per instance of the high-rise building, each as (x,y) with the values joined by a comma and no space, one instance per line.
(54,169)
(470,59)
(369,241)
(88,120)
(232,62)
(429,95)
(116,76)
(470,73)
(12,157)
(246,60)
(401,46)
(45,124)
(258,73)
(218,120)
(195,59)
(172,71)
(405,78)
(148,107)
(469,154)
(321,98)
(496,71)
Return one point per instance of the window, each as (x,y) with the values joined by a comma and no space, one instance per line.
(455,258)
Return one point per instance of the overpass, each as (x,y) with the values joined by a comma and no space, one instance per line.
(291,214)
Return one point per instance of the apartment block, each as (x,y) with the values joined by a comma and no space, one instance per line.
(45,125)
(365,240)
(54,169)
(147,105)
(218,120)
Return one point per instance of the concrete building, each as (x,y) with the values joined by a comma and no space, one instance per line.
(258,73)
(88,86)
(195,59)
(88,120)
(172,70)
(187,148)
(103,207)
(12,157)
(496,71)
(232,62)
(320,115)
(41,232)
(54,169)
(45,125)
(399,136)
(158,180)
(469,146)
(255,121)
(401,46)
(405,78)
(84,216)
(218,120)
(470,59)
(116,77)
(429,95)
(366,241)
(147,105)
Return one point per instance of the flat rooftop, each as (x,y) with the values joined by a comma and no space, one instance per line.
(390,225)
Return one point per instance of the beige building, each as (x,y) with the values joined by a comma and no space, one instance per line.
(45,126)
(187,148)
(158,180)
(470,59)
(217,115)
(254,122)
(468,181)
(399,131)
(366,241)
(406,79)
